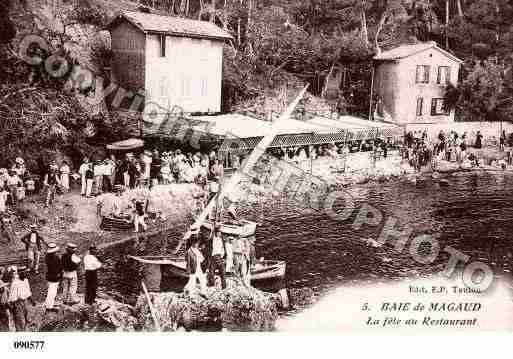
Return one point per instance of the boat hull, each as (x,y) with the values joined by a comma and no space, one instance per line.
(267,269)
(245,229)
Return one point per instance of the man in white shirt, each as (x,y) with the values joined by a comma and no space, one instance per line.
(91,266)
(98,170)
(13,181)
(33,245)
(217,260)
(70,262)
(82,171)
(108,174)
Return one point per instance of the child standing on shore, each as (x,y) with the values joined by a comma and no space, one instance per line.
(140,214)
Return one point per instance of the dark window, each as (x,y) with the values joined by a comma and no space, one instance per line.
(420,102)
(162,45)
(438,107)
(422,75)
(444,75)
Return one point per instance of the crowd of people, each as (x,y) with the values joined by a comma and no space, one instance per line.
(15,289)
(450,146)
(146,169)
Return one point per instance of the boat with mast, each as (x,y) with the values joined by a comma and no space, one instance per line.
(263,269)
(245,169)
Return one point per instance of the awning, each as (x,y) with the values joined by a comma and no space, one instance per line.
(245,132)
(126,145)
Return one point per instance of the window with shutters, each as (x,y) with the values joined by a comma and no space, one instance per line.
(444,75)
(420,102)
(162,39)
(438,107)
(422,75)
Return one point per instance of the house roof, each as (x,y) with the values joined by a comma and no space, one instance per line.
(403,51)
(172,25)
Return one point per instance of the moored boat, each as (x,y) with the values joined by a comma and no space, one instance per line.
(265,269)
(116,224)
(241,227)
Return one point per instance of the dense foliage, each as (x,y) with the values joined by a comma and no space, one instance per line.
(306,38)
(278,45)
(42,118)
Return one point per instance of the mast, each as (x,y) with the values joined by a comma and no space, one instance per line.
(246,167)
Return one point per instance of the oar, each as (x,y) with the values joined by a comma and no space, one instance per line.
(246,167)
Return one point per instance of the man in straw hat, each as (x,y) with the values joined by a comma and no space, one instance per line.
(51,181)
(194,233)
(194,259)
(70,263)
(241,259)
(53,275)
(217,258)
(33,245)
(91,267)
(19,166)
(4,301)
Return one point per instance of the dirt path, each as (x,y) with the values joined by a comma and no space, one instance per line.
(84,211)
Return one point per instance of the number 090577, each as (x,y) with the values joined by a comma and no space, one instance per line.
(28,344)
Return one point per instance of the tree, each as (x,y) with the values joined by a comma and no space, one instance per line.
(484,95)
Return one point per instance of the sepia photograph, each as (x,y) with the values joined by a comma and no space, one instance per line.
(277,166)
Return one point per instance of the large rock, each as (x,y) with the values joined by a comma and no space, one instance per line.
(106,315)
(236,308)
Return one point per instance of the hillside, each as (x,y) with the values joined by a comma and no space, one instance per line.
(279,46)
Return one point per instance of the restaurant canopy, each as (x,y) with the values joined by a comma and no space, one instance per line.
(245,132)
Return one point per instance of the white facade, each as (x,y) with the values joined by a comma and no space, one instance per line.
(412,88)
(187,76)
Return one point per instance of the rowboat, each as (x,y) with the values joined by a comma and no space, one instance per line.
(116,224)
(265,269)
(241,227)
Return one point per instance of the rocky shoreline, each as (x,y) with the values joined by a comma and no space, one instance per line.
(236,308)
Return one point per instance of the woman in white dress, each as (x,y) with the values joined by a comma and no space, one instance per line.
(65,172)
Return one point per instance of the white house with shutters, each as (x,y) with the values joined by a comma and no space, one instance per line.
(177,61)
(409,83)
